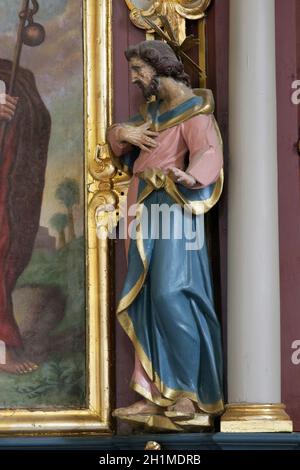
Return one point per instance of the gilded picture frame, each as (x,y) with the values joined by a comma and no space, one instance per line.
(95,418)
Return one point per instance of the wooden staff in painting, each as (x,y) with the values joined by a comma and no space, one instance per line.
(31,34)
(24,138)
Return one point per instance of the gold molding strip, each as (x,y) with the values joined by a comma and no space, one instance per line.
(98,83)
(202,51)
(255,417)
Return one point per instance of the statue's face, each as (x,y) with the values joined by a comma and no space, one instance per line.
(144,76)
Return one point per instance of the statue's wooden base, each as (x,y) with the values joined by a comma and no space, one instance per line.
(173,423)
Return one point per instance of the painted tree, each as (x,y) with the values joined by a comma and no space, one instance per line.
(68,193)
(59,222)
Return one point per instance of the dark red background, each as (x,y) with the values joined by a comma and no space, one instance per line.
(288,55)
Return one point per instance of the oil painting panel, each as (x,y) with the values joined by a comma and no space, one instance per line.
(42,243)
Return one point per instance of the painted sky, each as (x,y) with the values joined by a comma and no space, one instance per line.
(58,68)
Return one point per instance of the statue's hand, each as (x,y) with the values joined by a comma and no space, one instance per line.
(8,106)
(182,177)
(139,136)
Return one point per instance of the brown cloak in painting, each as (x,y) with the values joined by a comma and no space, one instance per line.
(22,178)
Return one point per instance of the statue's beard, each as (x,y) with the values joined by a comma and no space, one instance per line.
(150,90)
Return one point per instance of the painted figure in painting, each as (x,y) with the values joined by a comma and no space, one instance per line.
(174,149)
(22,174)
(23,156)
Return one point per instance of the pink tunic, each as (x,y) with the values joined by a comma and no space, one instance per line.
(196,138)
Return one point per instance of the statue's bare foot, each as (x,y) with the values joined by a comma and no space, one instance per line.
(142,407)
(183,408)
(17,364)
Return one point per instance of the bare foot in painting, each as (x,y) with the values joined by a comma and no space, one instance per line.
(16,364)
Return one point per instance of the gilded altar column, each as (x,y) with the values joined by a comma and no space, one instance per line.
(254,378)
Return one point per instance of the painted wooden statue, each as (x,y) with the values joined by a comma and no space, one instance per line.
(174,150)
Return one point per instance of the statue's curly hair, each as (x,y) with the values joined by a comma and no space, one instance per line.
(161,57)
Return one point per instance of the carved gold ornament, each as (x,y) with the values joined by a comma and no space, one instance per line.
(177,11)
(152,445)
